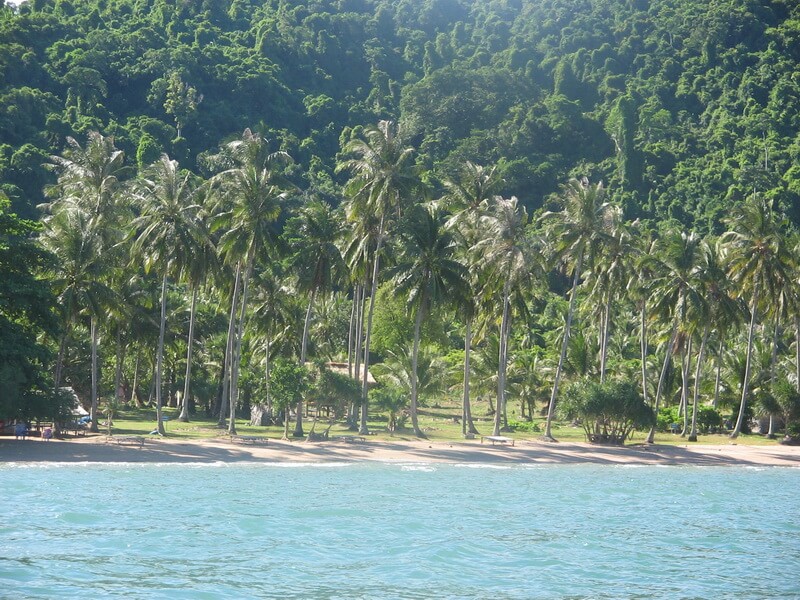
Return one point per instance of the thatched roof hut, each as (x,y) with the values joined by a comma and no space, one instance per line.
(341,369)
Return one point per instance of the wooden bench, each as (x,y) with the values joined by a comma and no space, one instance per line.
(127,440)
(249,439)
(351,439)
(497,439)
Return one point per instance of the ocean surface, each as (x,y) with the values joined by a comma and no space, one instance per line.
(398,531)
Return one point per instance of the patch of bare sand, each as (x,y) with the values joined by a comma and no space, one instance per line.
(166,450)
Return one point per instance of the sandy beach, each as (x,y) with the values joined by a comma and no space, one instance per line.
(99,449)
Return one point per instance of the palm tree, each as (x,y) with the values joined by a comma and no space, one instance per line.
(273,317)
(576,232)
(676,293)
(759,267)
(88,178)
(383,177)
(429,274)
(316,260)
(251,194)
(77,278)
(507,255)
(610,273)
(400,373)
(88,183)
(166,230)
(468,199)
(724,313)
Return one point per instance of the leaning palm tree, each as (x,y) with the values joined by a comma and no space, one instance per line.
(428,273)
(166,232)
(759,267)
(576,233)
(317,262)
(251,193)
(383,176)
(507,255)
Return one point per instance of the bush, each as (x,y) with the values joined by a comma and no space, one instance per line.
(391,400)
(667,415)
(608,412)
(708,419)
(529,426)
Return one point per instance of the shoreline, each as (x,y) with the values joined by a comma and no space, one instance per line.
(99,450)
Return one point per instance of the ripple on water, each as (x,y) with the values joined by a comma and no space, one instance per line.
(408,530)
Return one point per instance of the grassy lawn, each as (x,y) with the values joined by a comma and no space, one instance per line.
(439,424)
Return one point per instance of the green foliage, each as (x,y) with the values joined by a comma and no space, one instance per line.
(684,106)
(608,412)
(667,416)
(527,426)
(336,390)
(393,401)
(708,419)
(147,152)
(26,315)
(288,383)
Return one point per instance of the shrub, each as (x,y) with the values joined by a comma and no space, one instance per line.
(608,412)
(529,426)
(708,419)
(667,415)
(391,400)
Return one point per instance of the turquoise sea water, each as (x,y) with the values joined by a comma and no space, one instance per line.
(398,531)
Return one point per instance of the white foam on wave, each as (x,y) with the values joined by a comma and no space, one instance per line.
(486,466)
(422,467)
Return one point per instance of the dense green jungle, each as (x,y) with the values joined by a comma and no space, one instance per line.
(587,201)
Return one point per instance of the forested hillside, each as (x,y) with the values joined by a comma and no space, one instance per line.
(680,106)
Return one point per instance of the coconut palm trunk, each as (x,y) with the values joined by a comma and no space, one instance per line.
(700,357)
(467,425)
(62,347)
(746,383)
(229,351)
(604,340)
(501,368)
(643,348)
(120,356)
(662,378)
(160,356)
(298,428)
(134,397)
(237,349)
(184,416)
(797,353)
(414,378)
(718,376)
(773,363)
(351,331)
(95,376)
(686,362)
(267,366)
(363,429)
(564,344)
